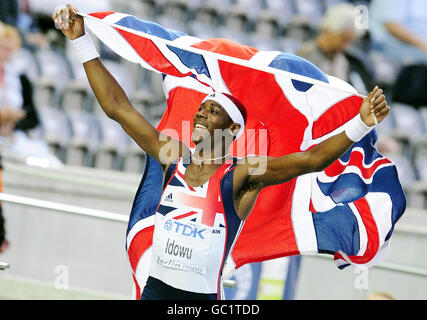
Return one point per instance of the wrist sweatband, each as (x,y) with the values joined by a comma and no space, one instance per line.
(84,48)
(356,129)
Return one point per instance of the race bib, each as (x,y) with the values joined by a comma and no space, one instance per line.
(182,245)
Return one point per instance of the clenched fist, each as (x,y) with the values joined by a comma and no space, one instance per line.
(374,106)
(66,19)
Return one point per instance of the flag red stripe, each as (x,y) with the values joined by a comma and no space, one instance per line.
(336,116)
(311,207)
(149,52)
(373,244)
(101,15)
(140,243)
(137,288)
(182,216)
(226,47)
(356,159)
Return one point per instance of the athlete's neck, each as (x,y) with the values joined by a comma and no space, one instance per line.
(214,156)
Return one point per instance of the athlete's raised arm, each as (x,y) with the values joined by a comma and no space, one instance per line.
(109,93)
(249,182)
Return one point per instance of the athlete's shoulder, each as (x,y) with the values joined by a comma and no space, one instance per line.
(249,170)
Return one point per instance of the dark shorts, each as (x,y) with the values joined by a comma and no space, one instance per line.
(158,290)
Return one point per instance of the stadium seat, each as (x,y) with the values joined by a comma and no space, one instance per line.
(113,141)
(387,127)
(76,95)
(362,71)
(285,9)
(252,7)
(54,64)
(156,113)
(409,124)
(423,112)
(385,68)
(174,16)
(143,9)
(421,167)
(55,73)
(290,45)
(266,31)
(25,62)
(406,171)
(222,9)
(121,74)
(84,140)
(156,86)
(45,92)
(311,10)
(55,127)
(142,100)
(236,25)
(205,22)
(134,158)
(299,28)
(77,104)
(113,144)
(420,157)
(331,3)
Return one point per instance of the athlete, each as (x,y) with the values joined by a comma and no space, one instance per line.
(190,247)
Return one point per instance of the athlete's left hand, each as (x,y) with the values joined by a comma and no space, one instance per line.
(374,104)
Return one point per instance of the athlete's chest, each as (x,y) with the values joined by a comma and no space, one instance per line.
(195,176)
(200,204)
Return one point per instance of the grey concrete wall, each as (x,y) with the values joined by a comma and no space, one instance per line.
(92,250)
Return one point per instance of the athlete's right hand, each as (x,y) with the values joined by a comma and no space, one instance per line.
(66,19)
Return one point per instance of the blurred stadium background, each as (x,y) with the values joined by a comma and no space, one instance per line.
(82,164)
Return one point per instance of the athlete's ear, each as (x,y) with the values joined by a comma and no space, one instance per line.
(235,127)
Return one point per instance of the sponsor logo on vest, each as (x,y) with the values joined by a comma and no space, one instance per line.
(177,250)
(168,225)
(169,198)
(184,229)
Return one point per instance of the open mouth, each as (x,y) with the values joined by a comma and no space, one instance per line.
(200,126)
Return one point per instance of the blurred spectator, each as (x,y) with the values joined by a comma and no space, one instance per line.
(17,111)
(399,28)
(9,11)
(328,50)
(10,87)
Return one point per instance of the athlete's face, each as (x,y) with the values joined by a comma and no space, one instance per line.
(211,116)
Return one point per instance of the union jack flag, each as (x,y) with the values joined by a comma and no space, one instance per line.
(349,210)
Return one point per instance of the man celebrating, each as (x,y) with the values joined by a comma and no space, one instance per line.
(188,254)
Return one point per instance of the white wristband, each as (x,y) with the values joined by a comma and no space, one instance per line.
(84,48)
(356,129)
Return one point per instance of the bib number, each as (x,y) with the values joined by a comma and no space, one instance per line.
(182,245)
